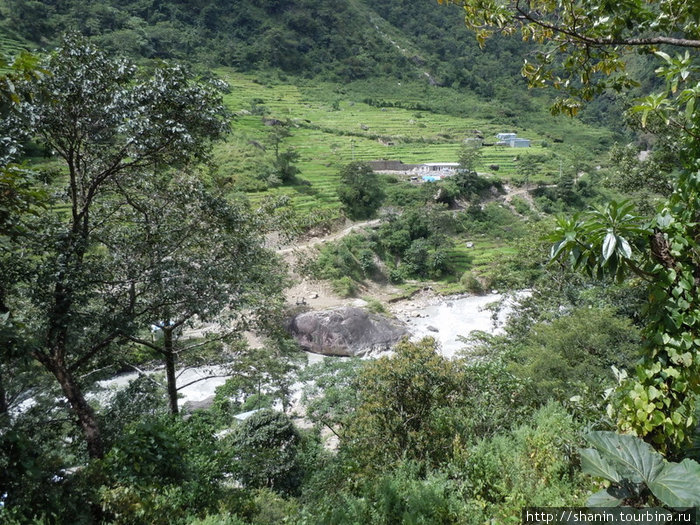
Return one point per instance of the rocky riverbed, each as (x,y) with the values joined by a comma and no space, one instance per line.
(449,318)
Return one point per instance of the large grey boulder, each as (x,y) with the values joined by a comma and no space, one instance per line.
(345,331)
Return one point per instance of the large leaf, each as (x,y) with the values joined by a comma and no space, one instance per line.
(678,484)
(609,245)
(605,498)
(592,463)
(624,246)
(634,459)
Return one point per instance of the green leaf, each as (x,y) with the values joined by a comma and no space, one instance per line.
(665,56)
(664,220)
(593,463)
(557,248)
(605,498)
(690,108)
(678,484)
(625,247)
(635,460)
(609,245)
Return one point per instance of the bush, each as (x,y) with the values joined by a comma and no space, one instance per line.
(345,287)
(375,306)
(471,283)
(266,445)
(494,221)
(521,206)
(360,190)
(219,519)
(162,471)
(530,466)
(352,256)
(415,404)
(573,355)
(402,496)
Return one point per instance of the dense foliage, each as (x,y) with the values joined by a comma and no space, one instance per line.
(338,40)
(360,191)
(119,239)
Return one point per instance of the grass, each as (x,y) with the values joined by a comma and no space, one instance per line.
(331,126)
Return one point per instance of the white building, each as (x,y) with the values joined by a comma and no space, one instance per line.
(437,169)
(512,140)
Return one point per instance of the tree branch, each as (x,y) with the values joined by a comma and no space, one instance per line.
(143,342)
(524,15)
(94,350)
(202,379)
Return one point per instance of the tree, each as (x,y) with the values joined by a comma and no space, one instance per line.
(469,155)
(266,446)
(649,180)
(108,123)
(467,180)
(584,44)
(360,190)
(19,197)
(283,168)
(190,259)
(528,166)
(417,404)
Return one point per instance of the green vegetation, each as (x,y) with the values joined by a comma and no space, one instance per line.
(126,242)
(639,474)
(330,127)
(360,191)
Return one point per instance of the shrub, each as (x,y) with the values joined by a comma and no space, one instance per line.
(266,446)
(345,286)
(360,190)
(574,354)
(375,306)
(471,283)
(529,466)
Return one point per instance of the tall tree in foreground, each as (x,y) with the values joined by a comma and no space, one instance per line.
(108,123)
(193,260)
(584,44)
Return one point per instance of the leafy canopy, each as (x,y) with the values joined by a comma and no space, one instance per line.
(108,124)
(582,51)
(584,43)
(360,190)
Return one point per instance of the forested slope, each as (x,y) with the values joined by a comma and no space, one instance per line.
(337,39)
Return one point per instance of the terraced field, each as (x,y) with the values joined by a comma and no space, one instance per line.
(330,128)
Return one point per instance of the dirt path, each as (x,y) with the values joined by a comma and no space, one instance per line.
(319,295)
(329,238)
(520,192)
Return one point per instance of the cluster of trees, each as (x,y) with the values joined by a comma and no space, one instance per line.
(120,233)
(301,37)
(118,236)
(412,244)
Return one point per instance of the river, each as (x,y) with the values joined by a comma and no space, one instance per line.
(448,318)
(444,318)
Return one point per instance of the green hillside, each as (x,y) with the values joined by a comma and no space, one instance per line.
(354,80)
(330,126)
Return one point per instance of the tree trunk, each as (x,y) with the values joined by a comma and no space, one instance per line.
(169,353)
(76,399)
(3,397)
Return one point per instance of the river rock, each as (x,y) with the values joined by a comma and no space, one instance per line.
(192,406)
(345,331)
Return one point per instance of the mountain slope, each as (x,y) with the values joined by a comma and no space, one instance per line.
(340,40)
